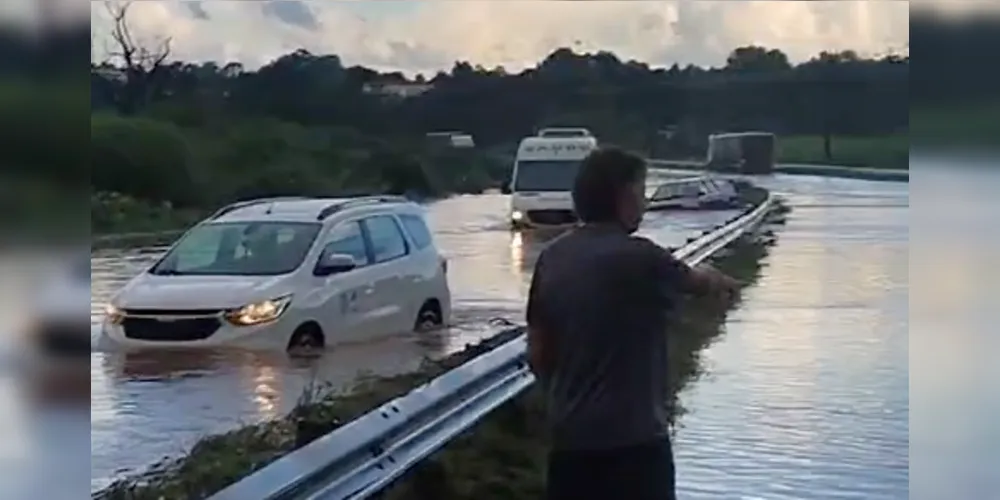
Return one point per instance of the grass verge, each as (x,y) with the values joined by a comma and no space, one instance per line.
(887,151)
(501,458)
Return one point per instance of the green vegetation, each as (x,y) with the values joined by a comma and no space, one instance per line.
(501,458)
(887,151)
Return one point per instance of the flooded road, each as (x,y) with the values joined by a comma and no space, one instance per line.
(807,391)
(807,394)
(146,406)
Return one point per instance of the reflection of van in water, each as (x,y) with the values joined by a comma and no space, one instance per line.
(544,171)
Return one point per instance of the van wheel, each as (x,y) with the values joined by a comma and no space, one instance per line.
(429,317)
(307,340)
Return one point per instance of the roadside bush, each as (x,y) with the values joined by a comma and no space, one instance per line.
(143,158)
(153,163)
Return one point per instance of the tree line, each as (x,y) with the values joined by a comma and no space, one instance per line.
(170,130)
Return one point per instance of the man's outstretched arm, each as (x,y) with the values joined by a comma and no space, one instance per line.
(700,280)
(705,279)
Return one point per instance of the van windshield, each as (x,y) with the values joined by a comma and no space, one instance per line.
(240,249)
(546,175)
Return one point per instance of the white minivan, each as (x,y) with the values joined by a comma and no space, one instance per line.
(542,181)
(298,273)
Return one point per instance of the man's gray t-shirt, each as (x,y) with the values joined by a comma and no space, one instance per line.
(602,298)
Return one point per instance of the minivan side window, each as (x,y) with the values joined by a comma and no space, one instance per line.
(386,237)
(347,239)
(417,229)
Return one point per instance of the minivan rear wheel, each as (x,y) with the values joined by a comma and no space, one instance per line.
(307,340)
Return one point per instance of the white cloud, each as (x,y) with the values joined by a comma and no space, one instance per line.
(428,36)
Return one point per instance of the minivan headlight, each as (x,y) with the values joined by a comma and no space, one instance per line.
(113,314)
(259,312)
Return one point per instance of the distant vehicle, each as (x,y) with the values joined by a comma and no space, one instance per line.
(564,132)
(462,141)
(695,193)
(452,139)
(543,176)
(298,273)
(742,152)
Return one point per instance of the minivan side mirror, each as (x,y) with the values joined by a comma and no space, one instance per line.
(505,188)
(334,263)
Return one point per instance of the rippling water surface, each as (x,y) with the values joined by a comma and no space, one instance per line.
(806,395)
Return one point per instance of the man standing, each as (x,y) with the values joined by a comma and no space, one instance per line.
(597,314)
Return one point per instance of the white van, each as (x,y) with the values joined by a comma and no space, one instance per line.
(544,172)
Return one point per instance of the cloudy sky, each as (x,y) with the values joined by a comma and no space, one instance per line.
(427,36)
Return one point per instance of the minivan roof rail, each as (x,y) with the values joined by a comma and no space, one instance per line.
(361,200)
(249,203)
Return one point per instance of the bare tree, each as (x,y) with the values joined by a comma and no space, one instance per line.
(142,62)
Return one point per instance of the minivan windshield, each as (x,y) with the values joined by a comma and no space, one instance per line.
(250,248)
(546,175)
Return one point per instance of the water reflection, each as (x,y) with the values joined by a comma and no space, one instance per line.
(266,392)
(150,366)
(526,246)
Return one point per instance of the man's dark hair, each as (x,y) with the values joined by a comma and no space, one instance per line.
(603,177)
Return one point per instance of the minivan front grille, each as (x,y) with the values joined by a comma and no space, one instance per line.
(170,312)
(164,329)
(552,217)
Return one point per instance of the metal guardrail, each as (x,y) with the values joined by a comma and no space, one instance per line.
(364,456)
(862,173)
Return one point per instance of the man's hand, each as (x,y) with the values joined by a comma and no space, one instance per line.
(718,282)
(720,279)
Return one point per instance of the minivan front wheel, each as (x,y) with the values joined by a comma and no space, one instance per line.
(429,317)
(306,340)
